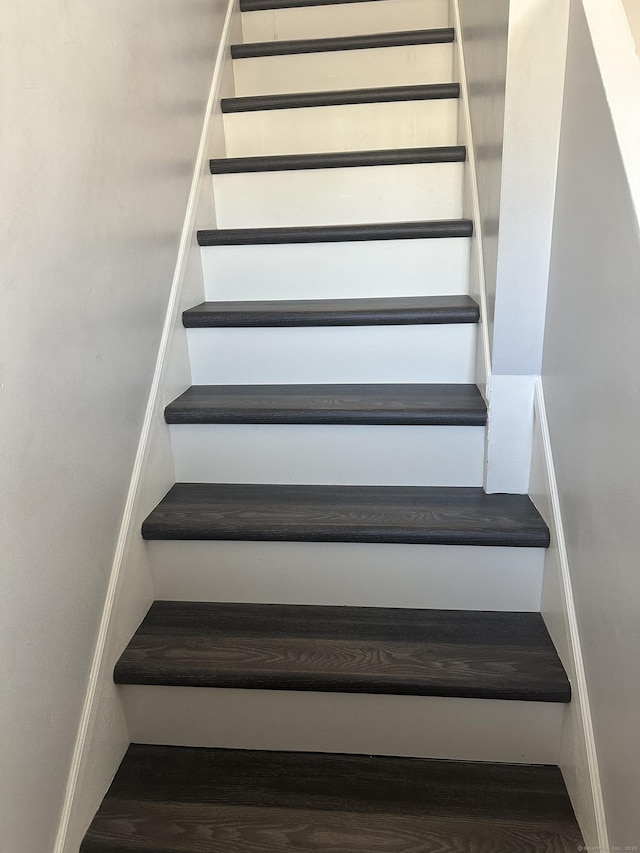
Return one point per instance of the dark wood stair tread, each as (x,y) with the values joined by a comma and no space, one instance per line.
(469,654)
(340,97)
(429,229)
(453,405)
(380,311)
(402,514)
(171,799)
(339,159)
(262,5)
(405,38)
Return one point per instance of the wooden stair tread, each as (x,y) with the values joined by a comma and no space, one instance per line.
(403,514)
(262,5)
(373,95)
(469,654)
(453,405)
(381,311)
(339,159)
(250,801)
(441,35)
(429,229)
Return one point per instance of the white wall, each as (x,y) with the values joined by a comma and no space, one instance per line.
(514,56)
(592,390)
(632,8)
(485,28)
(102,108)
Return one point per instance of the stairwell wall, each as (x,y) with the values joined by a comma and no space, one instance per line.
(632,8)
(484,30)
(514,54)
(101,116)
(592,397)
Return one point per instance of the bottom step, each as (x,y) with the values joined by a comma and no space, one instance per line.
(182,800)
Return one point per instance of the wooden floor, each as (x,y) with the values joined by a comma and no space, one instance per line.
(377,311)
(470,654)
(424,515)
(186,800)
(442,405)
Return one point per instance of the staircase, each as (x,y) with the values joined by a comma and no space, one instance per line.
(346,651)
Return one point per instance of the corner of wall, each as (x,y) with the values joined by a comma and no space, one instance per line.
(471,208)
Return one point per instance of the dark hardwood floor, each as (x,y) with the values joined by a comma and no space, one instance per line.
(186,800)
(456,405)
(372,95)
(469,654)
(279,47)
(338,159)
(403,514)
(377,311)
(438,229)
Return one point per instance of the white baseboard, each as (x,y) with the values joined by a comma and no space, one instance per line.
(103,735)
(578,757)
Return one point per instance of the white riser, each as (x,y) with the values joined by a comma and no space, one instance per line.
(446,577)
(348,127)
(344,69)
(350,455)
(339,196)
(428,727)
(337,270)
(344,20)
(438,353)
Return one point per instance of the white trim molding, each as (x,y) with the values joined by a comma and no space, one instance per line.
(578,754)
(471,210)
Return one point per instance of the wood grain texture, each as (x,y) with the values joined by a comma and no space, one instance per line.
(430,229)
(186,800)
(380,311)
(442,35)
(450,405)
(403,514)
(374,95)
(339,159)
(467,654)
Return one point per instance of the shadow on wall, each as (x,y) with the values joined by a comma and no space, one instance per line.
(632,8)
